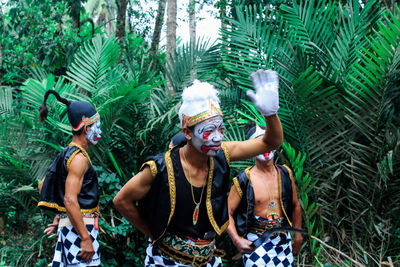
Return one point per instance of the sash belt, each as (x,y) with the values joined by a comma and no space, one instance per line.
(86,220)
(194,260)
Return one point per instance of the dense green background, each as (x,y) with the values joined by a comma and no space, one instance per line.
(339,95)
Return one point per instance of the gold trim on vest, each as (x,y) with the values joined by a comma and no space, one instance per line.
(153,167)
(172,188)
(82,149)
(72,157)
(237,186)
(280,195)
(214,224)
(63,209)
(226,152)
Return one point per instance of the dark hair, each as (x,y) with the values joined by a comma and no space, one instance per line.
(43,111)
(78,132)
(248,126)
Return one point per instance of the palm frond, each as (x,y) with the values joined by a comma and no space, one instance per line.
(353,26)
(256,37)
(92,64)
(6,101)
(311,23)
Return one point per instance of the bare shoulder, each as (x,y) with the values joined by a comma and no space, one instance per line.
(143,178)
(79,164)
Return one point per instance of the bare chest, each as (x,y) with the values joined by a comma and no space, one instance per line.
(265,191)
(266,194)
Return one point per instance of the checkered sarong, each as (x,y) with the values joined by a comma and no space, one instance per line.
(68,247)
(154,258)
(274,252)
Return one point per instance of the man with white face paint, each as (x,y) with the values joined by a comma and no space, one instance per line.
(182,193)
(70,189)
(264,197)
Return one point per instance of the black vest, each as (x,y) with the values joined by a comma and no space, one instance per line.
(158,207)
(53,190)
(244,214)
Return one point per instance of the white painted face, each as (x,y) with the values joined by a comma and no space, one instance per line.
(207,135)
(266,156)
(93,134)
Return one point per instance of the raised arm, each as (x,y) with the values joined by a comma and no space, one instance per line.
(125,201)
(266,100)
(73,185)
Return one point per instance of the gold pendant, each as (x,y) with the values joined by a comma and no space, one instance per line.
(272,213)
(196,213)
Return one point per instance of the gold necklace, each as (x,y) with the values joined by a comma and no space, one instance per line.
(272,208)
(197,208)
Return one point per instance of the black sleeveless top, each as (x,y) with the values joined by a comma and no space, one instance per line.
(182,221)
(53,190)
(160,206)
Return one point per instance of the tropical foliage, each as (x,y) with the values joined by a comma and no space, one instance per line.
(338,63)
(339,74)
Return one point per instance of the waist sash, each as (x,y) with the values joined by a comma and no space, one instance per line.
(189,251)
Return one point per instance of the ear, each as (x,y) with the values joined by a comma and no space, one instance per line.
(187,133)
(85,129)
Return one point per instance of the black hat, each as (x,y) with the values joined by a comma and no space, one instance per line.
(255,132)
(80,113)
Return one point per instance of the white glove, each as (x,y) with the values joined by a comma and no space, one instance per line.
(266,98)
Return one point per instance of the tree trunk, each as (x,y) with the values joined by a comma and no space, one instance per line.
(171,26)
(75,13)
(171,34)
(192,33)
(222,13)
(192,22)
(121,19)
(158,27)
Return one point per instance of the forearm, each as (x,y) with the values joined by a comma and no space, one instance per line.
(232,232)
(297,238)
(131,212)
(56,219)
(297,217)
(273,136)
(75,216)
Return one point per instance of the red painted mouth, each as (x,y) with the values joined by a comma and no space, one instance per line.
(205,149)
(96,138)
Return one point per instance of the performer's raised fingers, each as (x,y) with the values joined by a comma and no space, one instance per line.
(256,78)
(251,95)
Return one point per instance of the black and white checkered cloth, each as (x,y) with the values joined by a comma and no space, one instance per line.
(274,252)
(154,258)
(68,248)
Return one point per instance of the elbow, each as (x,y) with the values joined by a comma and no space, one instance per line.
(118,202)
(275,143)
(68,201)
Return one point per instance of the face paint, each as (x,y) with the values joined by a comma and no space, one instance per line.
(207,135)
(266,156)
(93,134)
